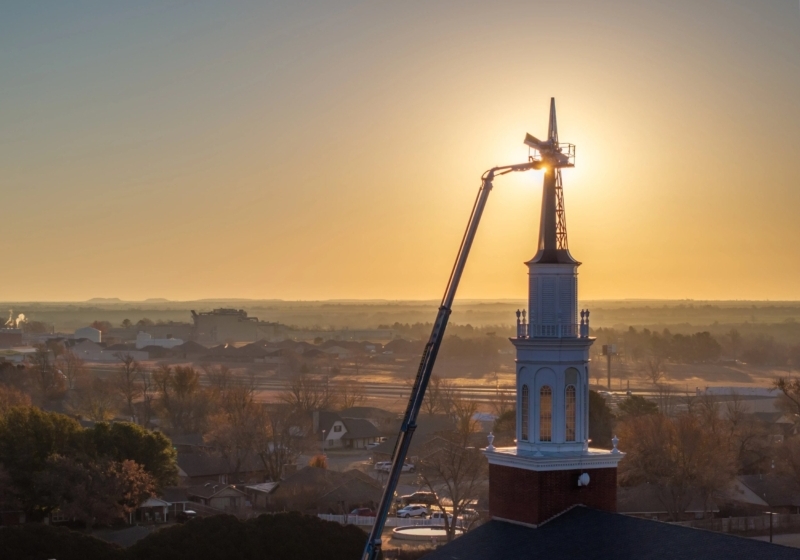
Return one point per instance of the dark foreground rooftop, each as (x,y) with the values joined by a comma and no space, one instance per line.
(588,534)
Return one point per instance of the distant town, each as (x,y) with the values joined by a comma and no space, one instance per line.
(260,416)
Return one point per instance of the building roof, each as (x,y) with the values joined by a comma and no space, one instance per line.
(643,499)
(777,491)
(209,490)
(359,428)
(368,412)
(263,487)
(590,534)
(174,494)
(353,490)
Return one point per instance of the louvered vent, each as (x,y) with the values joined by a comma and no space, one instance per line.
(549,310)
(566,300)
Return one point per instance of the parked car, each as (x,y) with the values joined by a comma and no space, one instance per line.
(373,445)
(440,515)
(414,510)
(428,498)
(363,512)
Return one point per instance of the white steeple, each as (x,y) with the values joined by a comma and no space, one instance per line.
(552,372)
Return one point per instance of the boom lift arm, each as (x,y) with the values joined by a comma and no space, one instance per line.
(373,546)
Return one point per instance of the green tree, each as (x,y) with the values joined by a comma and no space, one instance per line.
(28,438)
(283,536)
(122,441)
(636,405)
(601,420)
(94,492)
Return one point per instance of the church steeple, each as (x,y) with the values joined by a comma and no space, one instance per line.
(552,248)
(551,466)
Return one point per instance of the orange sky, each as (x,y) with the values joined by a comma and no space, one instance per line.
(189,150)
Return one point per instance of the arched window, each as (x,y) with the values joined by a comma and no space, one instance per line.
(570,409)
(525,406)
(546,414)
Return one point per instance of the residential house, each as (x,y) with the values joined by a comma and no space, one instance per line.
(317,490)
(223,497)
(338,432)
(198,467)
(756,493)
(259,494)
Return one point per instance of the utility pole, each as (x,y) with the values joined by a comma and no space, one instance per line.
(609,350)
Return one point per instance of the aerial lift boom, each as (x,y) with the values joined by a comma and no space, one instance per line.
(409,424)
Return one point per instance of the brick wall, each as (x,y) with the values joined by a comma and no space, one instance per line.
(533,496)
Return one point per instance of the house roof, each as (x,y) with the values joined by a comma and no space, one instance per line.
(590,534)
(776,490)
(174,494)
(368,412)
(209,490)
(353,490)
(327,419)
(359,428)
(264,487)
(644,499)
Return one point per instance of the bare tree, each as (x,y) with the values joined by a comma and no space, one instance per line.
(306,393)
(127,380)
(655,368)
(431,401)
(349,393)
(503,398)
(456,471)
(73,368)
(148,389)
(463,412)
(790,389)
(666,399)
(279,437)
(234,427)
(220,379)
(678,456)
(447,394)
(46,377)
(182,402)
(95,399)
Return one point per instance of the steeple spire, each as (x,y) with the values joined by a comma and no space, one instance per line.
(552,248)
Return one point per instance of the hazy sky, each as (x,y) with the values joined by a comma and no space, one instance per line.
(314,150)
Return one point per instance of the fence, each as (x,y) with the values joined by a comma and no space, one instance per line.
(390,521)
(781,523)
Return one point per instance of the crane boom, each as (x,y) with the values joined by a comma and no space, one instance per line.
(409,424)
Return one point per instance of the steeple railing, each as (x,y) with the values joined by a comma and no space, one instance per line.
(557,330)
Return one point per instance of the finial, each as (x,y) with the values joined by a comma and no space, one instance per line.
(614,442)
(490,437)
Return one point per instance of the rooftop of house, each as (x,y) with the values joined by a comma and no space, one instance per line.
(357,428)
(775,490)
(210,489)
(590,534)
